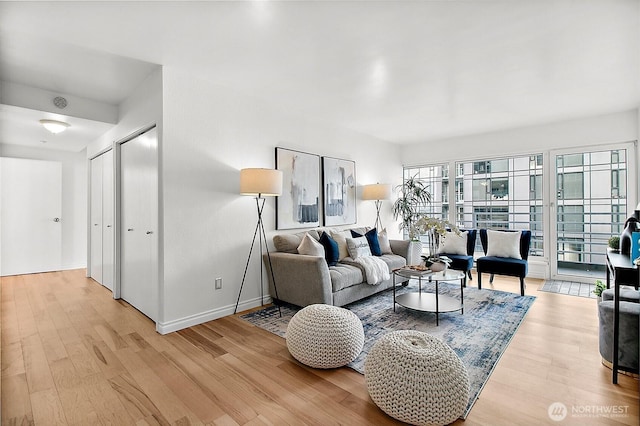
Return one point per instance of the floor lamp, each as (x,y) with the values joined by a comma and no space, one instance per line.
(377,192)
(260,183)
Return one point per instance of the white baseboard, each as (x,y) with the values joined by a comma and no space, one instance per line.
(213,314)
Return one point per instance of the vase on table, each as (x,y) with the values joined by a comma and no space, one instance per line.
(630,226)
(415,253)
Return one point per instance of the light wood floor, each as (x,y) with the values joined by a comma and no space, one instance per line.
(73,355)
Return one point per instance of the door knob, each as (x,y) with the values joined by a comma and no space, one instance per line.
(149,232)
(108,226)
(56,219)
(130,229)
(95,224)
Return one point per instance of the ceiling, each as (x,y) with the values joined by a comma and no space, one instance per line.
(405,72)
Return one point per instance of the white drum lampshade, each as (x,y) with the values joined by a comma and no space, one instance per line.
(261,182)
(376,191)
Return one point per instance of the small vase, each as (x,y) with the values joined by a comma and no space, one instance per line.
(415,253)
(438,266)
(630,226)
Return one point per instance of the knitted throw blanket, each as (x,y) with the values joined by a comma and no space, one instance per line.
(376,271)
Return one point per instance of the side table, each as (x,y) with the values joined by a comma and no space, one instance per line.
(621,271)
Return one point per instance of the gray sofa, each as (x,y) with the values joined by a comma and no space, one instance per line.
(304,280)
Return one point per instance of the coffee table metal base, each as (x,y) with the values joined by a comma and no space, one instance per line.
(431,302)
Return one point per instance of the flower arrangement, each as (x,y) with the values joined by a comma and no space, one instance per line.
(436,230)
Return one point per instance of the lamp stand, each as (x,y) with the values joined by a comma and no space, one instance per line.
(263,247)
(378,224)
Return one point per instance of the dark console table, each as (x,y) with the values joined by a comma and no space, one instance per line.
(620,271)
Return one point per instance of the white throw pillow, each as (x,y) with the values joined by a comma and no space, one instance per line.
(454,244)
(503,244)
(383,240)
(310,246)
(341,238)
(358,247)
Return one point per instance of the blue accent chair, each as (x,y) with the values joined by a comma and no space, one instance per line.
(460,262)
(504,265)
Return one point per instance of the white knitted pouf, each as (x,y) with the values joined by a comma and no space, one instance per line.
(416,378)
(325,336)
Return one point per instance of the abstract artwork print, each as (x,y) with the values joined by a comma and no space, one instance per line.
(339,186)
(299,204)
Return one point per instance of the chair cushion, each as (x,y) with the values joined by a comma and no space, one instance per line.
(502,266)
(453,243)
(525,242)
(627,294)
(460,262)
(503,244)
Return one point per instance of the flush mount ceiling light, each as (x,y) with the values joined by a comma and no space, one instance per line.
(54,126)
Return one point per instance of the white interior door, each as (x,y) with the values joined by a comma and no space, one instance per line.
(107,220)
(30,216)
(96,218)
(139,189)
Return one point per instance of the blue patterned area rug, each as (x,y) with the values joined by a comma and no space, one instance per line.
(479,336)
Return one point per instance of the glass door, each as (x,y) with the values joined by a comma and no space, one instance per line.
(594,193)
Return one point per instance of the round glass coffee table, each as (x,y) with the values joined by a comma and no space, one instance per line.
(427,301)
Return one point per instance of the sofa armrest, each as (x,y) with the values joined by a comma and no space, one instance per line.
(400,247)
(300,280)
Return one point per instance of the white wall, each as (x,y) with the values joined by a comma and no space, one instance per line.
(74,198)
(141,109)
(210,133)
(604,129)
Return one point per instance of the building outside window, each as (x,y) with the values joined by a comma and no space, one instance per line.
(500,194)
(586,207)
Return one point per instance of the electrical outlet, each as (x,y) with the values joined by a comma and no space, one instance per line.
(218,283)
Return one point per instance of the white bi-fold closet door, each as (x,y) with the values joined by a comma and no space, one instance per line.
(102,220)
(139,222)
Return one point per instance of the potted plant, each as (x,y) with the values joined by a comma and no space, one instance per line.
(614,243)
(436,230)
(412,195)
(600,287)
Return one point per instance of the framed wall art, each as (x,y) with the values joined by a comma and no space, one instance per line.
(339,189)
(299,204)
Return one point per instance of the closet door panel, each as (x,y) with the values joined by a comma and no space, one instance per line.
(96,218)
(107,220)
(139,224)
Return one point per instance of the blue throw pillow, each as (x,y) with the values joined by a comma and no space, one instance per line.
(331,252)
(372,239)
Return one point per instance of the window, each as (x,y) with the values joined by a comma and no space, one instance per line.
(588,203)
(570,186)
(436,180)
(570,219)
(500,195)
(591,206)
